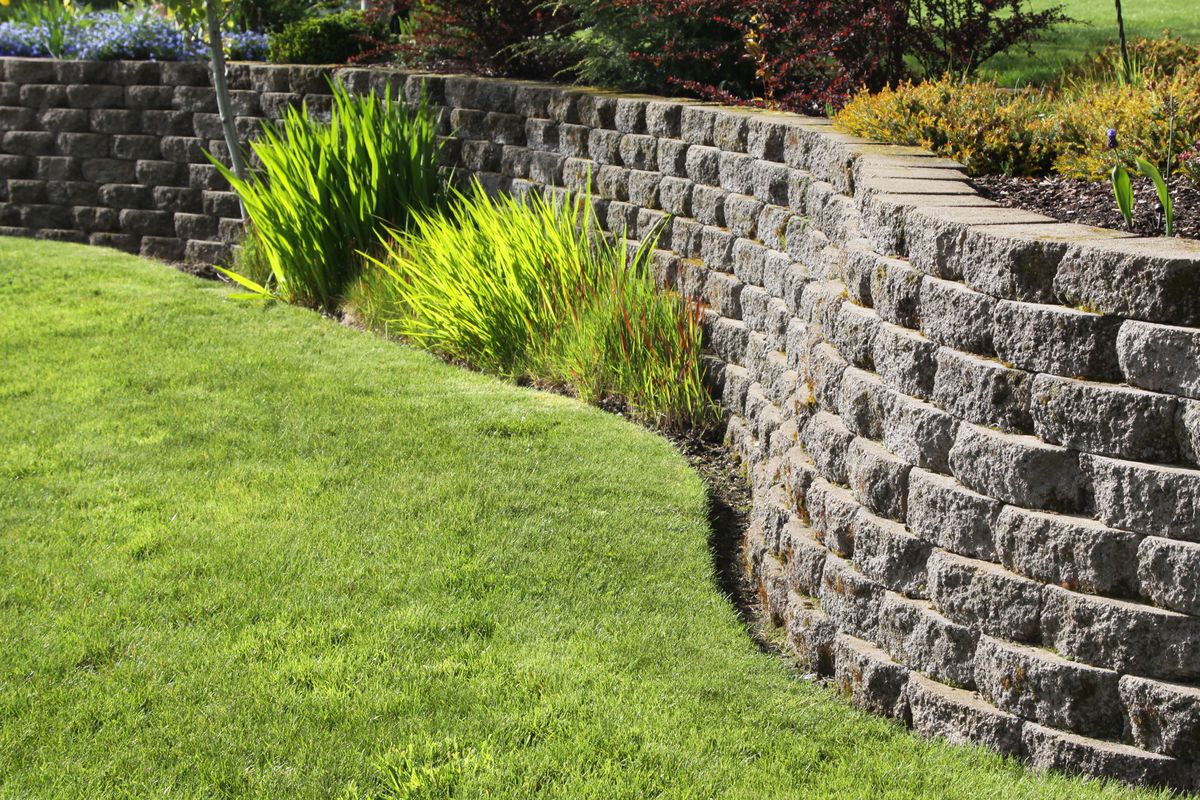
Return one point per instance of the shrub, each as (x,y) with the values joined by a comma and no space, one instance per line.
(958,36)
(1150,58)
(331,39)
(324,188)
(986,129)
(531,291)
(795,54)
(485,36)
(1189,164)
(1139,112)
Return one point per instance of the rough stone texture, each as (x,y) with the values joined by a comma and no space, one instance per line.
(1036,684)
(1076,553)
(1059,341)
(951,516)
(869,677)
(915,633)
(1050,749)
(1162,358)
(1163,717)
(982,391)
(1020,470)
(1104,419)
(955,316)
(1145,279)
(852,298)
(1128,637)
(961,717)
(981,595)
(1169,573)
(1148,498)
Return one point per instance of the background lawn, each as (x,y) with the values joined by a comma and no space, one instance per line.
(245,551)
(1097,26)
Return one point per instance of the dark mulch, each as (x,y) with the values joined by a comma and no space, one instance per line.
(1093,204)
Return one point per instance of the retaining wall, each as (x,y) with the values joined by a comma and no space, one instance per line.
(973,433)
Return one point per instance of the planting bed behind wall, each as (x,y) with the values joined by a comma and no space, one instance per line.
(973,433)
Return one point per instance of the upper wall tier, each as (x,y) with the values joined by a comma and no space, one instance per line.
(973,432)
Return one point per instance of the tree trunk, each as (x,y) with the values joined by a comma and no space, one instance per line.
(216,50)
(1125,65)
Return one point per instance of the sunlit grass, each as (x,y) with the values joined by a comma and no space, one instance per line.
(248,552)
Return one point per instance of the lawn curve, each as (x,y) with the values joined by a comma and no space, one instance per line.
(246,551)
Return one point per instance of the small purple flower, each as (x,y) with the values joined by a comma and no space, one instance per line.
(1112,138)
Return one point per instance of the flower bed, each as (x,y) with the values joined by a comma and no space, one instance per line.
(135,34)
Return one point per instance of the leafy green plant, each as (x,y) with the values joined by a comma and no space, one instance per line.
(988,130)
(324,188)
(331,39)
(1123,192)
(534,291)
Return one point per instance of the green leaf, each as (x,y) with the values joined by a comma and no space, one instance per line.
(1164,194)
(1123,191)
(256,289)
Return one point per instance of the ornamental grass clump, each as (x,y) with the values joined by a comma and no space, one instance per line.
(533,291)
(324,189)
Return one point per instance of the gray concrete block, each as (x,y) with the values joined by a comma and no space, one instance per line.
(1156,280)
(985,597)
(833,512)
(919,433)
(906,360)
(1161,358)
(741,214)
(887,553)
(951,516)
(878,479)
(917,635)
(1077,553)
(1104,419)
(1050,749)
(604,146)
(675,195)
(1162,717)
(1168,571)
(955,316)
(708,205)
(869,677)
(736,172)
(1123,636)
(1056,340)
(1148,498)
(960,717)
(863,403)
(827,441)
(851,600)
(895,291)
(1021,470)
(982,391)
(852,331)
(822,370)
(643,188)
(1036,684)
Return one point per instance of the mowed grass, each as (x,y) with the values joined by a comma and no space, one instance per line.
(245,551)
(1096,26)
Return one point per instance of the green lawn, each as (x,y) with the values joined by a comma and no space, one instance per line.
(245,551)
(1097,26)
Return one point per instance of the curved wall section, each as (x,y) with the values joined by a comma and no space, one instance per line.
(973,433)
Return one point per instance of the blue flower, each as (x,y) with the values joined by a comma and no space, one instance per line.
(1112,138)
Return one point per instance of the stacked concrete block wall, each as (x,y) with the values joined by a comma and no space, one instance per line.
(973,433)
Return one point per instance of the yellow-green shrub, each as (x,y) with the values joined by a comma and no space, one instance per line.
(986,129)
(1138,113)
(1150,58)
